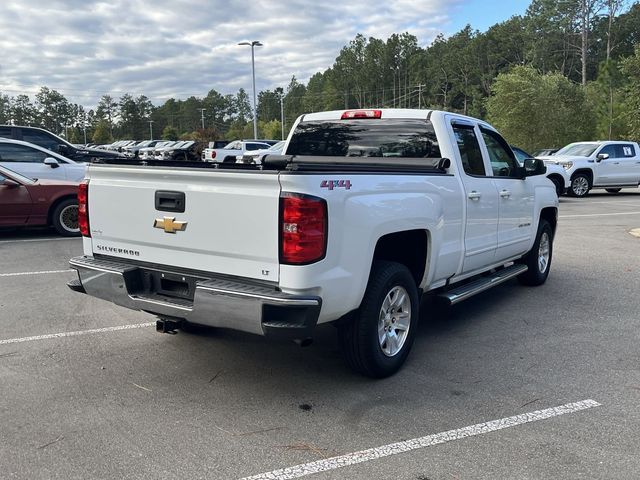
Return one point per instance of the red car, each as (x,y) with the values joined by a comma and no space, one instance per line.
(28,202)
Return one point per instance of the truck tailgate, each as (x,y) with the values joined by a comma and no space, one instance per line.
(231,218)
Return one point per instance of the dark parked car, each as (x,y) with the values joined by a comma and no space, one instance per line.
(545,152)
(187,152)
(28,201)
(219,143)
(48,140)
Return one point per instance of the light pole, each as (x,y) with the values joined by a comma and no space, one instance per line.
(202,110)
(253,44)
(84,128)
(150,129)
(282,113)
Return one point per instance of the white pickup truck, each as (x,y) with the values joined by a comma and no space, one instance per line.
(611,165)
(368,210)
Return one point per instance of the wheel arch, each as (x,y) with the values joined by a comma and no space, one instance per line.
(587,171)
(550,214)
(409,248)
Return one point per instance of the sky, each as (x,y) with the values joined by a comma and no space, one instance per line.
(178,48)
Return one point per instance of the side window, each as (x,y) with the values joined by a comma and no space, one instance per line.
(503,162)
(5,132)
(42,139)
(469,149)
(256,146)
(625,150)
(610,150)
(21,154)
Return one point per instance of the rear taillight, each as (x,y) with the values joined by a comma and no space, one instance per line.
(83,208)
(213,154)
(303,229)
(361,114)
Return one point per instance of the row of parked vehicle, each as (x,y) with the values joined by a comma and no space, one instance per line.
(41,171)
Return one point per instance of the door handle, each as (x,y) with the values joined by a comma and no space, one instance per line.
(168,201)
(505,193)
(473,195)
(616,163)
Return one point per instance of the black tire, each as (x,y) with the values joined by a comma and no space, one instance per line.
(359,337)
(536,275)
(580,185)
(613,190)
(64,218)
(559,184)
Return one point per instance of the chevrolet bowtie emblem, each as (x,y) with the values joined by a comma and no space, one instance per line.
(169,224)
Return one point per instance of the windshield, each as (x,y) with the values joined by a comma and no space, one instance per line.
(278,146)
(578,149)
(399,138)
(8,173)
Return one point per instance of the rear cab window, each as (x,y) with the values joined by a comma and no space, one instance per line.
(379,138)
(626,150)
(469,149)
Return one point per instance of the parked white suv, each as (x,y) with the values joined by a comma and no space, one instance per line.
(611,165)
(234,149)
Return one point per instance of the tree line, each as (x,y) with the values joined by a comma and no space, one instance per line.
(563,71)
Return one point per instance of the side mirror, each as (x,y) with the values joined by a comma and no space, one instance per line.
(63,149)
(534,166)
(602,156)
(52,162)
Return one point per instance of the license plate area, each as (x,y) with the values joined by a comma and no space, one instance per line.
(169,284)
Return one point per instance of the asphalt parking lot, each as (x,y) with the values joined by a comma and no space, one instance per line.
(82,397)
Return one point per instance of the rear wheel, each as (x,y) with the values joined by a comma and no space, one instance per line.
(377,340)
(613,190)
(580,185)
(65,218)
(539,257)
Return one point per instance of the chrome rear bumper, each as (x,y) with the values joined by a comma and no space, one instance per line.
(214,302)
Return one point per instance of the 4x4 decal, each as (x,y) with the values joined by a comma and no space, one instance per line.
(332,184)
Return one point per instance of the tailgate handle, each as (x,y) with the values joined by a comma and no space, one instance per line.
(167,201)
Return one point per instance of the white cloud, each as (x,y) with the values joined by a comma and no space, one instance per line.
(164,48)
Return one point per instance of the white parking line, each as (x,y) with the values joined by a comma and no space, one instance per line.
(422,442)
(42,272)
(45,239)
(76,334)
(599,214)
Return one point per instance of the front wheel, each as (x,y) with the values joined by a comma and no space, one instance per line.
(377,340)
(539,257)
(65,218)
(559,184)
(580,185)
(613,190)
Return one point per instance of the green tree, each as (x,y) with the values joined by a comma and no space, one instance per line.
(76,136)
(294,101)
(107,109)
(5,109)
(270,130)
(102,133)
(54,110)
(535,110)
(22,111)
(631,68)
(607,98)
(170,133)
